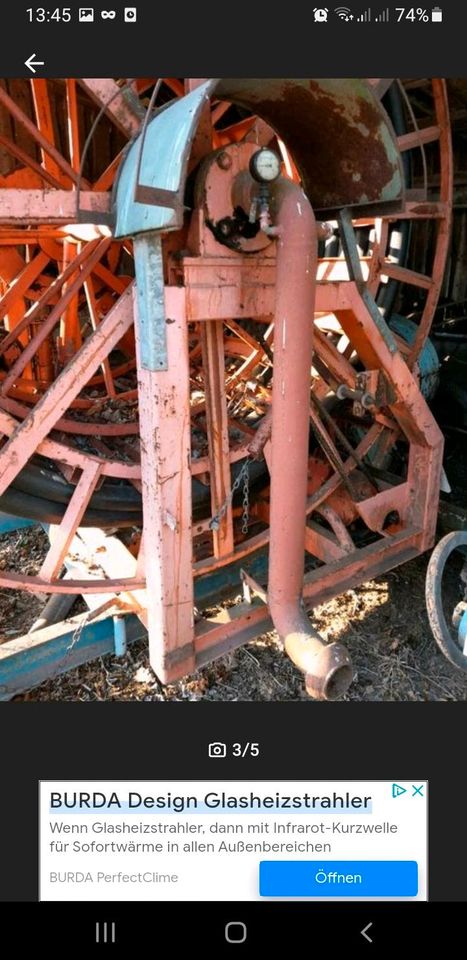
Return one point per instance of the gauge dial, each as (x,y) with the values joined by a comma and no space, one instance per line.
(265,165)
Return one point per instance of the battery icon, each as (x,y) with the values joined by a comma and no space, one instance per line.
(437,15)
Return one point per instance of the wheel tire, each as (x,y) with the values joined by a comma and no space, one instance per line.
(434,602)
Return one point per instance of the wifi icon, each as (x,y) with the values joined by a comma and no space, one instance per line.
(343,13)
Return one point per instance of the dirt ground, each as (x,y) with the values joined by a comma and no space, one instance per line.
(383,624)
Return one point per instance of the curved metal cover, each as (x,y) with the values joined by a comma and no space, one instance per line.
(338,134)
(158,169)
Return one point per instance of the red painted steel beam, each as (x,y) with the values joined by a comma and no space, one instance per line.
(21,117)
(48,324)
(166,487)
(72,457)
(120,105)
(48,206)
(43,417)
(73,515)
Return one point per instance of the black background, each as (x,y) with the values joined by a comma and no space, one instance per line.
(236,38)
(297,740)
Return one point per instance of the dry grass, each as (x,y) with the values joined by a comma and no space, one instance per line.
(383,623)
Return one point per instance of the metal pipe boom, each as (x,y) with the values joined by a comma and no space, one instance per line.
(328,669)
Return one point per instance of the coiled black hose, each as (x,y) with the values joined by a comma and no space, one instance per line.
(40,481)
(38,493)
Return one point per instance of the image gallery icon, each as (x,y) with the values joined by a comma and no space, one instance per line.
(86,15)
(129,14)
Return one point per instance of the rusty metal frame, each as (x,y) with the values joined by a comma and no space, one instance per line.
(210,298)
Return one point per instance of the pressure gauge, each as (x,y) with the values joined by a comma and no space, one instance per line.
(265,165)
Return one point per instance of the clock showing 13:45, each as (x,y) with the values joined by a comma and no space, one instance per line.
(40,15)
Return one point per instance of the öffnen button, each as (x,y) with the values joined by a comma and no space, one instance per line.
(338,878)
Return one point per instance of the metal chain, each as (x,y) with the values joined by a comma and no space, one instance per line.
(243,477)
(76,636)
(246,500)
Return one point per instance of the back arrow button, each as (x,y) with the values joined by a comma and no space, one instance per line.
(364,932)
(31,63)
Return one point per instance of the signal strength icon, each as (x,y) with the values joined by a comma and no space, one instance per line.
(343,13)
(383,17)
(365,17)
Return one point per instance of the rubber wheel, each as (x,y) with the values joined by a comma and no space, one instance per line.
(442,631)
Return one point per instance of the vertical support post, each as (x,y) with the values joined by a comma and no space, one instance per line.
(120,637)
(212,343)
(164,403)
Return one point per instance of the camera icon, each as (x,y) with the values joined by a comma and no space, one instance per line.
(129,14)
(217,750)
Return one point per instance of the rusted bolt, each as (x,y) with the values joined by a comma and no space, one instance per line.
(368,401)
(224,161)
(344,392)
(325,230)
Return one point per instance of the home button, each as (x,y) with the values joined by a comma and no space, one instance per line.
(235,932)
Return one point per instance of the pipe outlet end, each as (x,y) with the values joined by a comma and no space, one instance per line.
(332,673)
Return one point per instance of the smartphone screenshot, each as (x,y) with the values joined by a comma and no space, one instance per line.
(233,480)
